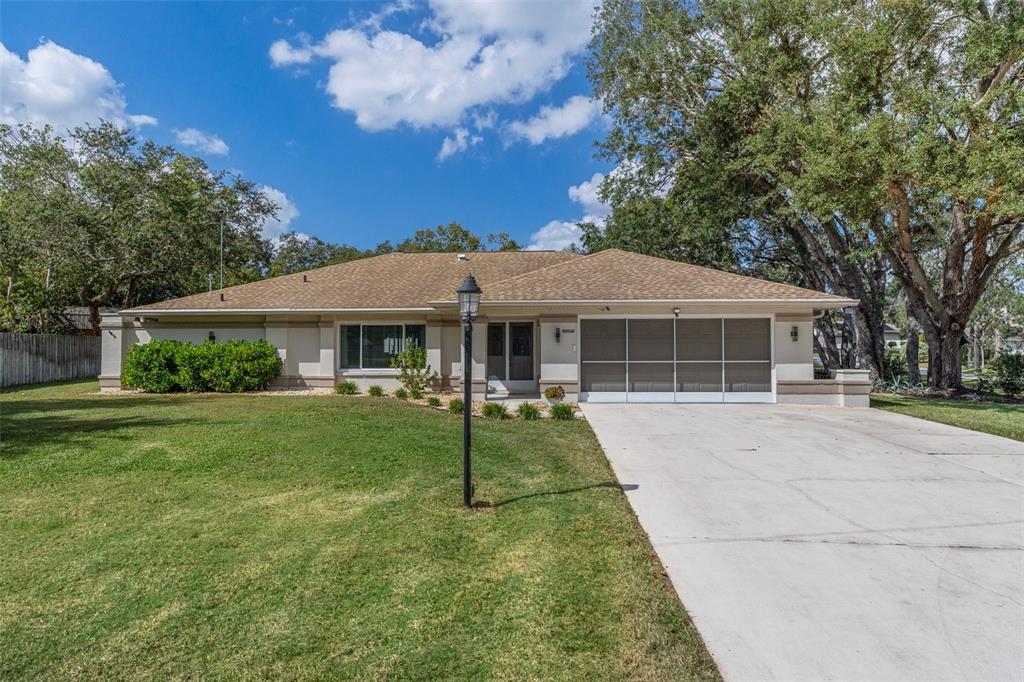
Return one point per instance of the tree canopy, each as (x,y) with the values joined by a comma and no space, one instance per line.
(101,218)
(845,142)
(450,238)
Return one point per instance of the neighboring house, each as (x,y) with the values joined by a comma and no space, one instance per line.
(1013,345)
(893,336)
(610,326)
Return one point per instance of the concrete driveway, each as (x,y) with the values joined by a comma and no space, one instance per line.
(813,543)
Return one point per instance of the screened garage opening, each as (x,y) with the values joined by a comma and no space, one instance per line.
(676,360)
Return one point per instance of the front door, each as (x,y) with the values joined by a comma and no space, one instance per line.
(520,362)
(510,357)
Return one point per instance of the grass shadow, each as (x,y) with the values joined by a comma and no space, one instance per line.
(547,493)
(12,408)
(18,438)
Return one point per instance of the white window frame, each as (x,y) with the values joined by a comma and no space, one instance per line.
(387,371)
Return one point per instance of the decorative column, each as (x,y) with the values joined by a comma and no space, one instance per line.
(112,352)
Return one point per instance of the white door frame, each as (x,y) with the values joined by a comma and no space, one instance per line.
(508,385)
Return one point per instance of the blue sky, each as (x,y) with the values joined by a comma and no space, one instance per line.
(365,121)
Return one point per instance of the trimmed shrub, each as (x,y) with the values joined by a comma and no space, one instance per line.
(401,393)
(554,393)
(375,391)
(456,406)
(195,365)
(495,410)
(229,367)
(415,394)
(414,372)
(152,367)
(1009,374)
(433,401)
(528,412)
(562,411)
(346,388)
(242,366)
(895,364)
(986,380)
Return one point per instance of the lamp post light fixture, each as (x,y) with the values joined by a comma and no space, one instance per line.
(469,304)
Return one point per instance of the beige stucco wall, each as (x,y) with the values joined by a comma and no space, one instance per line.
(558,356)
(302,357)
(451,352)
(308,344)
(849,388)
(793,359)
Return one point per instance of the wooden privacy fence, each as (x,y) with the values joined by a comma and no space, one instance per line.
(40,358)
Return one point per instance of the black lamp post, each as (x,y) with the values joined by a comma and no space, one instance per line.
(469,303)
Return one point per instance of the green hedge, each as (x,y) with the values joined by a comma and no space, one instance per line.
(226,367)
(1009,374)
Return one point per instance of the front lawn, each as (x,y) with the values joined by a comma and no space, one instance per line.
(1001,419)
(255,536)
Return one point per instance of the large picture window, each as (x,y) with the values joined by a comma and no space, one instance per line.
(373,346)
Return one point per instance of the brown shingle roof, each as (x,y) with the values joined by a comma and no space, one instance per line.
(418,280)
(616,275)
(394,280)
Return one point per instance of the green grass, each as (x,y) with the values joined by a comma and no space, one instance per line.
(1001,419)
(254,536)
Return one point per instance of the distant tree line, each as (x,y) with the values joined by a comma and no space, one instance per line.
(296,252)
(101,218)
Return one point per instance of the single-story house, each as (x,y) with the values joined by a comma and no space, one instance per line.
(609,326)
(892,336)
(1012,345)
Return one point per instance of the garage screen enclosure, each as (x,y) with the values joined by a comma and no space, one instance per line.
(676,360)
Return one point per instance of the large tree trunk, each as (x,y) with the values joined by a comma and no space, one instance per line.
(835,268)
(93,301)
(870,339)
(950,373)
(943,312)
(825,344)
(913,351)
(977,346)
(94,318)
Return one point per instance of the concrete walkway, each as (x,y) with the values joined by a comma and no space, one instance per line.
(813,543)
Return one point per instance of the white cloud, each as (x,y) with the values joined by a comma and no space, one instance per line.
(56,86)
(207,143)
(484,53)
(483,121)
(283,54)
(375,20)
(586,195)
(287,212)
(139,120)
(554,122)
(555,236)
(459,142)
(561,234)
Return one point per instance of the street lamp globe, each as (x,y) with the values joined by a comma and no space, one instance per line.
(469,298)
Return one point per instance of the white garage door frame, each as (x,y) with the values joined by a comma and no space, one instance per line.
(722,396)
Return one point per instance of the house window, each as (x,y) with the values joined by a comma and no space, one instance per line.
(373,346)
